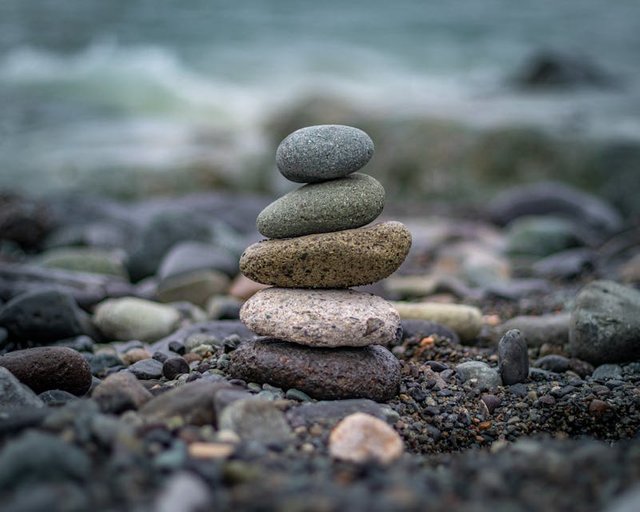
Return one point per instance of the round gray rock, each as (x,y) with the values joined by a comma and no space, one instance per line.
(605,324)
(44,368)
(486,377)
(323,152)
(340,259)
(322,318)
(333,205)
(323,373)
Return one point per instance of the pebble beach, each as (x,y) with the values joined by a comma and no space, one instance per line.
(326,350)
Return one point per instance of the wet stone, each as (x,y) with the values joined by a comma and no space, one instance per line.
(322,318)
(341,259)
(323,152)
(45,368)
(323,373)
(335,205)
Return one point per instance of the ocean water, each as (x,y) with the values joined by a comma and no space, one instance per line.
(150,84)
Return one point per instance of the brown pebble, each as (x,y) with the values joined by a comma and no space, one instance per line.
(599,407)
(45,368)
(134,355)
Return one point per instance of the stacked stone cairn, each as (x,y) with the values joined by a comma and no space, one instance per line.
(320,336)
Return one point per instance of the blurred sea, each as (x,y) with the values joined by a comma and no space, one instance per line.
(158,84)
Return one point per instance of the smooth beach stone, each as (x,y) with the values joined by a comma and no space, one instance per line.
(513,357)
(466,321)
(322,373)
(340,259)
(322,318)
(605,324)
(323,152)
(45,368)
(334,205)
(44,316)
(486,377)
(131,318)
(362,438)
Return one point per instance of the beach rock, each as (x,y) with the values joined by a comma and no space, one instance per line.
(552,329)
(146,369)
(44,368)
(130,318)
(487,377)
(120,392)
(605,324)
(323,373)
(629,271)
(15,394)
(191,402)
(362,438)
(322,318)
(513,358)
(540,236)
(334,205)
(174,366)
(340,259)
(466,321)
(44,316)
(36,457)
(558,199)
(195,287)
(187,257)
(83,259)
(242,287)
(323,152)
(256,420)
(163,231)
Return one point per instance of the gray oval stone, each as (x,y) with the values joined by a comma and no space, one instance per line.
(333,205)
(323,373)
(323,152)
(605,323)
(340,259)
(322,318)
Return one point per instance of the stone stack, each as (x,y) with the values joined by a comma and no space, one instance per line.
(320,336)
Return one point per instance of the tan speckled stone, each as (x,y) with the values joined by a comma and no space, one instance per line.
(341,259)
(322,318)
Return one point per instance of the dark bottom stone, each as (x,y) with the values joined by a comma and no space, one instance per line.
(323,373)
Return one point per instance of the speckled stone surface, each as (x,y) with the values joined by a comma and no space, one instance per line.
(322,318)
(323,373)
(323,152)
(340,259)
(334,205)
